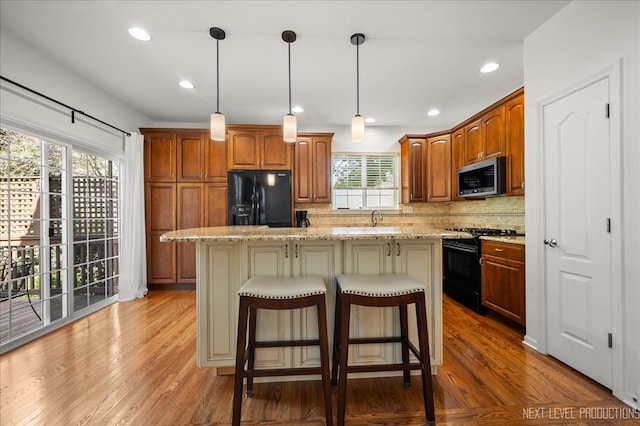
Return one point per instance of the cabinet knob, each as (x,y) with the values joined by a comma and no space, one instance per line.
(388,249)
(499,250)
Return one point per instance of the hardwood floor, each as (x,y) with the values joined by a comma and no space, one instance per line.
(133,363)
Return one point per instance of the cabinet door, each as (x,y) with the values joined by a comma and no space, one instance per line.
(215,206)
(417,160)
(215,161)
(473,142)
(190,213)
(275,152)
(160,157)
(322,258)
(457,161)
(373,258)
(271,259)
(160,207)
(191,156)
(493,125)
(422,260)
(321,161)
(439,168)
(243,150)
(503,288)
(303,171)
(514,132)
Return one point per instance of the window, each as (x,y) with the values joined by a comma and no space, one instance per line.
(58,232)
(364,181)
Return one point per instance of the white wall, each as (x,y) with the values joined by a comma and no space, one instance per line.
(583,39)
(23,64)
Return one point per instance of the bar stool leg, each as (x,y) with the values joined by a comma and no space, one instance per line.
(240,348)
(336,340)
(427,383)
(324,358)
(404,334)
(345,313)
(251,348)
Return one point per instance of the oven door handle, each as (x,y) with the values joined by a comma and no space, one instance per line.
(459,247)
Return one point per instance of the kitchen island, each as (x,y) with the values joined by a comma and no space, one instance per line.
(227,256)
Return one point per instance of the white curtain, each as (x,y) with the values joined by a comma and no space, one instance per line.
(133,258)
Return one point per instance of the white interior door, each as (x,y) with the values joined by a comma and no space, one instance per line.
(578,247)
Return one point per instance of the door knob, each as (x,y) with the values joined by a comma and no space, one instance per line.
(551,242)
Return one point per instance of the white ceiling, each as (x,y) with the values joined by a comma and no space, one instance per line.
(418,55)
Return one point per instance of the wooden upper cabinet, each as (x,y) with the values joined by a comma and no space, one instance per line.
(275,152)
(439,168)
(215,164)
(457,161)
(191,156)
(160,157)
(312,169)
(473,142)
(493,128)
(413,157)
(514,134)
(243,149)
(485,137)
(258,149)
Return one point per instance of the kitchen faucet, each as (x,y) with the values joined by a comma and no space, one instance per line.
(374,221)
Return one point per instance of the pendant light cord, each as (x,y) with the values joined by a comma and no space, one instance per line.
(217,76)
(358,79)
(289,45)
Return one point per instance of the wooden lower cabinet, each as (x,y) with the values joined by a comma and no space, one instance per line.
(503,279)
(160,205)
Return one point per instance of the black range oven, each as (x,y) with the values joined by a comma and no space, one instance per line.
(461,266)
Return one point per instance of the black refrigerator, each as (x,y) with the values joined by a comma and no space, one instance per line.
(259,197)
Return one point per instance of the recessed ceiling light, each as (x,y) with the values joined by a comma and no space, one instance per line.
(490,67)
(433,112)
(369,120)
(186,84)
(139,34)
(297,108)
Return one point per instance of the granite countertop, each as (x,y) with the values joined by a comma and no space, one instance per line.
(260,233)
(505,239)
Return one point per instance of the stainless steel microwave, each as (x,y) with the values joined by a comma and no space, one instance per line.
(482,179)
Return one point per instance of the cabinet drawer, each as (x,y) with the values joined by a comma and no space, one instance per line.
(504,250)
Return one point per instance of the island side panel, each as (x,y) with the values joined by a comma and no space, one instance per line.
(218,266)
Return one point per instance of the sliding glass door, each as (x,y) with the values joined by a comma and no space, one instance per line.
(58,232)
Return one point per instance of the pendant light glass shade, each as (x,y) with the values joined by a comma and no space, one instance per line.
(218,128)
(289,122)
(357,123)
(289,128)
(357,129)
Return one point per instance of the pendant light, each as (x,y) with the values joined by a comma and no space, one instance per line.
(289,124)
(218,130)
(357,123)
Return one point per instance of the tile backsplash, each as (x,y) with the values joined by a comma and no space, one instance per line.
(494,212)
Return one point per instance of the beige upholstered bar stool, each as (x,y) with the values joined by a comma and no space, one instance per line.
(279,293)
(381,291)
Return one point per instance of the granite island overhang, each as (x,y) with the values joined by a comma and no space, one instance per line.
(228,256)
